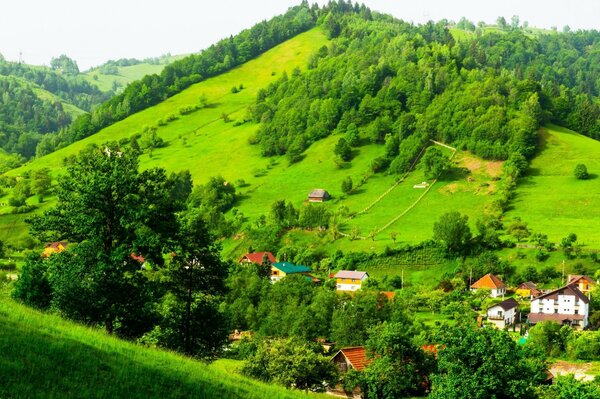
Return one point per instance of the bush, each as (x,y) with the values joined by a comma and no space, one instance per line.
(581,172)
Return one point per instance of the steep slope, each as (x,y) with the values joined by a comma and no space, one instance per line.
(551,199)
(44,356)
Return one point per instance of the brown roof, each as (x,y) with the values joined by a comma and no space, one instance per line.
(559,318)
(507,304)
(488,281)
(318,193)
(566,290)
(138,257)
(356,356)
(573,278)
(257,257)
(351,274)
(56,244)
(527,285)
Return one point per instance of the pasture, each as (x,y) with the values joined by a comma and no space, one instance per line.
(550,199)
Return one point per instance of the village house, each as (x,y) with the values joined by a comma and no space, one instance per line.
(504,313)
(347,280)
(346,359)
(281,269)
(54,248)
(566,305)
(528,290)
(489,281)
(257,257)
(318,195)
(585,283)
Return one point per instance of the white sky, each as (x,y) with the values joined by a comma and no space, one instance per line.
(94,32)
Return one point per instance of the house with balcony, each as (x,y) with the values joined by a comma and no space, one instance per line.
(566,305)
(504,313)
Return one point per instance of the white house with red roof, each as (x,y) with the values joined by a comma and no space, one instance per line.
(493,283)
(566,305)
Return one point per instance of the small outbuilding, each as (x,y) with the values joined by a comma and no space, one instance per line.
(257,257)
(528,290)
(318,195)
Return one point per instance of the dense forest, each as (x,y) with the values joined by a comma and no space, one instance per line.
(398,84)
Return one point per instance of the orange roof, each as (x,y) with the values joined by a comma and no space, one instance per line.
(574,278)
(389,294)
(357,357)
(488,281)
(138,257)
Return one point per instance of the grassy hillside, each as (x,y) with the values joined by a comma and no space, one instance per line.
(550,199)
(44,356)
(126,74)
(205,144)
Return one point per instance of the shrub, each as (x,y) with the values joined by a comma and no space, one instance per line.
(581,172)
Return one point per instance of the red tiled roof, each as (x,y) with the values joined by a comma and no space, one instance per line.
(389,294)
(357,357)
(257,257)
(138,257)
(488,281)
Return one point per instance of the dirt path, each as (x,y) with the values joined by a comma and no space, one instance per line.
(579,370)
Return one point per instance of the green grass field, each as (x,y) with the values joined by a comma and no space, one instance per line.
(126,74)
(551,199)
(44,356)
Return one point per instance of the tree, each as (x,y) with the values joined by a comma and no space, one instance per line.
(343,150)
(399,368)
(453,230)
(567,387)
(32,288)
(291,363)
(347,185)
(475,362)
(501,22)
(434,162)
(195,278)
(111,210)
(41,182)
(580,172)
(394,236)
(514,22)
(518,229)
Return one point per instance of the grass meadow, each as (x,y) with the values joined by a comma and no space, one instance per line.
(550,199)
(44,356)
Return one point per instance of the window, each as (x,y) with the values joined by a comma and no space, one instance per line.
(576,311)
(555,310)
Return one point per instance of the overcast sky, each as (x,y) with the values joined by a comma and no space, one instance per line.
(94,32)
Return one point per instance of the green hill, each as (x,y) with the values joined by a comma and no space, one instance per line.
(205,144)
(551,199)
(120,76)
(44,356)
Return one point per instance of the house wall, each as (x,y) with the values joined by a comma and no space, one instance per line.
(508,317)
(497,292)
(349,284)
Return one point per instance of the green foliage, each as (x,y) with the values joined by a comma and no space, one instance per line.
(112,210)
(41,183)
(399,368)
(343,150)
(291,363)
(476,362)
(453,230)
(567,387)
(350,323)
(32,288)
(434,162)
(518,229)
(347,185)
(550,338)
(581,172)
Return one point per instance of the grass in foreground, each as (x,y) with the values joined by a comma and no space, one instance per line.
(44,356)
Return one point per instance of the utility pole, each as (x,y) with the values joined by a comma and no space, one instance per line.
(402,279)
(563,272)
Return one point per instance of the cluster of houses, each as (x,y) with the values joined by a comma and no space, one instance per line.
(567,305)
(346,280)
